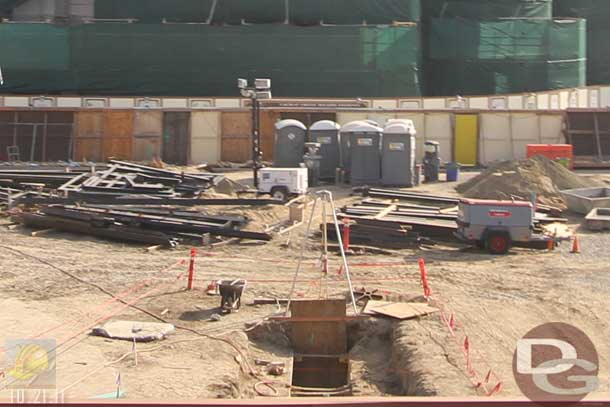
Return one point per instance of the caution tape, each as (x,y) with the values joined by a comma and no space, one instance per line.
(490,383)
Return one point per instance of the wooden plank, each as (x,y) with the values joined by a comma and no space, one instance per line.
(398,310)
(384,212)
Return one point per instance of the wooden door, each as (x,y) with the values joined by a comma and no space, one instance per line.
(236,143)
(176,130)
(117,141)
(89,132)
(267,127)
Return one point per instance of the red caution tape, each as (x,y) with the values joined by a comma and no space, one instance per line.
(496,389)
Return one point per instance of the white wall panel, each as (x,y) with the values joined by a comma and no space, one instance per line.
(345,117)
(439,128)
(495,137)
(434,104)
(515,102)
(551,129)
(478,103)
(543,101)
(205,137)
(604,97)
(525,130)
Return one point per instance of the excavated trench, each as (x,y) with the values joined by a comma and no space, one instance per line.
(387,357)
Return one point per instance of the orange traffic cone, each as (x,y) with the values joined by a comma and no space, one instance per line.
(575,245)
(550,244)
(212,288)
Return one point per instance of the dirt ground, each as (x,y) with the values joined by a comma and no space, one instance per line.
(495,299)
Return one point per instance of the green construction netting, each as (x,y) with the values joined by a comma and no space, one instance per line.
(447,77)
(597,13)
(484,57)
(34,54)
(186,60)
(507,39)
(487,9)
(300,12)
(308,12)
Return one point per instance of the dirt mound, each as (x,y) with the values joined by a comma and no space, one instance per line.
(520,179)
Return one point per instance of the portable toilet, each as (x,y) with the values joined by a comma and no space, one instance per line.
(326,133)
(289,143)
(344,139)
(365,153)
(398,154)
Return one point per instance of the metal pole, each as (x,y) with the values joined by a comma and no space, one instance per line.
(303,244)
(255,147)
(340,243)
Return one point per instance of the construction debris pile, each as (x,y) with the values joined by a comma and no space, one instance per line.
(118,180)
(519,179)
(124,201)
(397,219)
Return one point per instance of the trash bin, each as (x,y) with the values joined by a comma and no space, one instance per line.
(453,171)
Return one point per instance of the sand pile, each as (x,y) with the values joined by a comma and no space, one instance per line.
(538,174)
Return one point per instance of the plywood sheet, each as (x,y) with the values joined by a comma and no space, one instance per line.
(319,337)
(117,140)
(148,123)
(267,127)
(205,137)
(88,138)
(398,310)
(236,137)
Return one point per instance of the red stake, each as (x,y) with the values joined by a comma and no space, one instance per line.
(191,269)
(346,234)
(424,278)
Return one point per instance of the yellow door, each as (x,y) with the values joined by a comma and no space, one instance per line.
(465,139)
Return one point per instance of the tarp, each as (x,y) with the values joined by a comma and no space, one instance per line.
(195,60)
(487,9)
(597,13)
(469,57)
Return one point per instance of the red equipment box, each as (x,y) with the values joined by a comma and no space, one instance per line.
(561,153)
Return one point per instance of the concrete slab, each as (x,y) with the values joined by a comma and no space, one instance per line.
(598,219)
(584,200)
